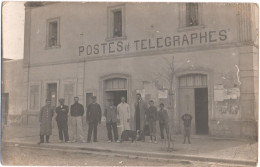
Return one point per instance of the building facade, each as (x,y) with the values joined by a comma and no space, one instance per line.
(197,58)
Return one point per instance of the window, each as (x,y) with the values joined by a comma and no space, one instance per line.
(190,15)
(116,22)
(53,37)
(34,97)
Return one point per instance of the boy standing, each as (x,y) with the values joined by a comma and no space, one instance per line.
(151,117)
(187,126)
(163,121)
(111,121)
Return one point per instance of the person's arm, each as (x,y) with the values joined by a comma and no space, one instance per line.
(67,109)
(87,113)
(81,110)
(99,112)
(40,115)
(105,112)
(129,114)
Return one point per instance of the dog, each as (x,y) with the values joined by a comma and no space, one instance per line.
(133,135)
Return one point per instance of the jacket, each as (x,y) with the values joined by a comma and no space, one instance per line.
(76,110)
(93,113)
(163,116)
(62,113)
(111,113)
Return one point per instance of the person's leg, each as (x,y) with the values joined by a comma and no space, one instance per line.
(109,133)
(166,127)
(185,135)
(150,124)
(65,130)
(161,130)
(188,135)
(154,130)
(47,138)
(114,126)
(95,131)
(41,138)
(80,129)
(59,124)
(90,129)
(74,128)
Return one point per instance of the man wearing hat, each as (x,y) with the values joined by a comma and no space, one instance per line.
(62,120)
(93,117)
(140,110)
(76,112)
(45,119)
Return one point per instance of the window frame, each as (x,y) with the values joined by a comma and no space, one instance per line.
(48,22)
(183,18)
(38,98)
(110,22)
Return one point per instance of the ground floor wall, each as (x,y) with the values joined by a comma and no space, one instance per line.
(208,84)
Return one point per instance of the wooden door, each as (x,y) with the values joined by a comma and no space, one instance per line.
(201,110)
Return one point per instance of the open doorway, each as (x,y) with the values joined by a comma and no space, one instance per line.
(201,110)
(115,96)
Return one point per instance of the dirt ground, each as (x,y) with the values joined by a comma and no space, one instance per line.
(26,156)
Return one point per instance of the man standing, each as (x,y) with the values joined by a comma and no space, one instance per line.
(123,110)
(187,126)
(111,118)
(93,117)
(62,120)
(140,110)
(76,112)
(45,119)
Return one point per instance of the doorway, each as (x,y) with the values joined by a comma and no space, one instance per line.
(193,100)
(201,110)
(115,96)
(52,93)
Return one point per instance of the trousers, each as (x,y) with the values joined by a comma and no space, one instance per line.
(77,130)
(112,125)
(63,129)
(92,126)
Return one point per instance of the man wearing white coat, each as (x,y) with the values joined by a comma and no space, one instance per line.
(123,110)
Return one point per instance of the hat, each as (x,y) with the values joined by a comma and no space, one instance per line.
(93,97)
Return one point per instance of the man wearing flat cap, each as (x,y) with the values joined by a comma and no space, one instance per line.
(62,120)
(45,119)
(93,117)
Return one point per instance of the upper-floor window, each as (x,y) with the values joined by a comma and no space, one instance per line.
(116,22)
(53,35)
(192,14)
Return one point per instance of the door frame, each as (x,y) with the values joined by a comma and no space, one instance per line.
(210,85)
(111,76)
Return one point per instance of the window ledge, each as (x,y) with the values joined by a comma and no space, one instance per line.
(52,47)
(191,28)
(116,38)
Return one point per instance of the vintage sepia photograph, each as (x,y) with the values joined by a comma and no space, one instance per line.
(130,84)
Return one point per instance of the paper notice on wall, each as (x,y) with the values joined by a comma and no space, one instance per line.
(162,94)
(219,93)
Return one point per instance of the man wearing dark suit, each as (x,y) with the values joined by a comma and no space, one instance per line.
(93,117)
(62,120)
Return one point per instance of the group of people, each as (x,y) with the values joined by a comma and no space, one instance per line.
(145,118)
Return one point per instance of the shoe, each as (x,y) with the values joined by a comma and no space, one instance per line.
(95,141)
(88,141)
(68,141)
(118,141)
(47,141)
(109,141)
(155,142)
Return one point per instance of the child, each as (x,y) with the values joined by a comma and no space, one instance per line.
(187,126)
(151,117)
(163,121)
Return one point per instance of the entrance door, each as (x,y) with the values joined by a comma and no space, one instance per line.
(201,110)
(115,96)
(186,103)
(52,93)
(5,102)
